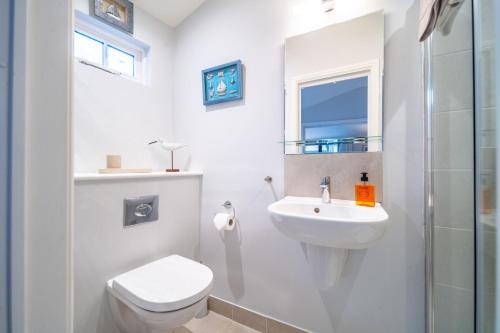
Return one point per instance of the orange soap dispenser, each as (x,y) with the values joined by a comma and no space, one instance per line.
(365,192)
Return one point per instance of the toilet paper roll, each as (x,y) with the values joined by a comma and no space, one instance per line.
(224,221)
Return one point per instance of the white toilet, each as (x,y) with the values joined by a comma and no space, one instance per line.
(160,296)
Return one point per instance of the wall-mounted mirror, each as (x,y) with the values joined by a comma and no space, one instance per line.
(333,79)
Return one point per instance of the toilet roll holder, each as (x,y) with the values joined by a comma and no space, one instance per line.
(229,206)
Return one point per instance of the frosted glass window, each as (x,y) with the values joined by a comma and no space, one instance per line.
(120,61)
(88,48)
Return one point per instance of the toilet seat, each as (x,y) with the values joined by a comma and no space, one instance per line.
(168,284)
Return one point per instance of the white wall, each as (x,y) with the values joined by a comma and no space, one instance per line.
(236,144)
(43,178)
(104,249)
(116,115)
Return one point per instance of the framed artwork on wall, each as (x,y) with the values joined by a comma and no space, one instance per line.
(222,83)
(117,13)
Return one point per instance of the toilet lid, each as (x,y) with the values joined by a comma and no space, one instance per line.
(168,284)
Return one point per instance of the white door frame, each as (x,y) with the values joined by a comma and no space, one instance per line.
(42,171)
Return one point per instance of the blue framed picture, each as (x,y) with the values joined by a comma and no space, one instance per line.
(222,83)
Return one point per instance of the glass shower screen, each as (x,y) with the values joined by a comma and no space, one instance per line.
(461,171)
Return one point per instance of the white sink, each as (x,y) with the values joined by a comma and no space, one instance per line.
(328,231)
(339,224)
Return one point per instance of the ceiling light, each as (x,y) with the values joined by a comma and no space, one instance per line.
(328,5)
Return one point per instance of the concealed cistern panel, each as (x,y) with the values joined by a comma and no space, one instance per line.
(140,210)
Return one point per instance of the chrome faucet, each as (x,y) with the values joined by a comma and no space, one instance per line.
(325,185)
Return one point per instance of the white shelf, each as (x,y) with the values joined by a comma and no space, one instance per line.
(84,177)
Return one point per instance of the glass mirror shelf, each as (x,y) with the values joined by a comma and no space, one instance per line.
(336,145)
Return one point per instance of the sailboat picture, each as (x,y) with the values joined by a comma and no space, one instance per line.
(222,83)
(221,88)
(117,13)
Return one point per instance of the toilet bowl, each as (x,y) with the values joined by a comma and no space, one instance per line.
(160,296)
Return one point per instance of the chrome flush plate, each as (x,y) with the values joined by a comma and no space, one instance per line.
(140,210)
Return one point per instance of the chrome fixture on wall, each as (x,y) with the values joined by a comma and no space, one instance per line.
(140,210)
(229,206)
(327,190)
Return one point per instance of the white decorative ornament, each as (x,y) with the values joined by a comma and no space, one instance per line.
(169,146)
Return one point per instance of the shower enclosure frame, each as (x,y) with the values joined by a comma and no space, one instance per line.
(6,115)
(429,182)
(428,186)
(427,56)
(429,189)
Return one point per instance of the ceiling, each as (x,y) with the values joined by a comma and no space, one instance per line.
(171,12)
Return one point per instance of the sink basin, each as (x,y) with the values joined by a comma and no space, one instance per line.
(328,231)
(339,224)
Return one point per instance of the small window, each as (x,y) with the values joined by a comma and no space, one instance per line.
(98,45)
(100,52)
(120,61)
(89,48)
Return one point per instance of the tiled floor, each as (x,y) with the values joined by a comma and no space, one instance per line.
(214,323)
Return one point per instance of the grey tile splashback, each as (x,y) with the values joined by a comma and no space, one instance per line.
(303,173)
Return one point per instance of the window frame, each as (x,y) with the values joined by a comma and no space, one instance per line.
(91,28)
(106,56)
(94,39)
(370,69)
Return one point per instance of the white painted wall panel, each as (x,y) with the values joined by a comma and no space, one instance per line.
(116,115)
(236,144)
(48,172)
(104,249)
